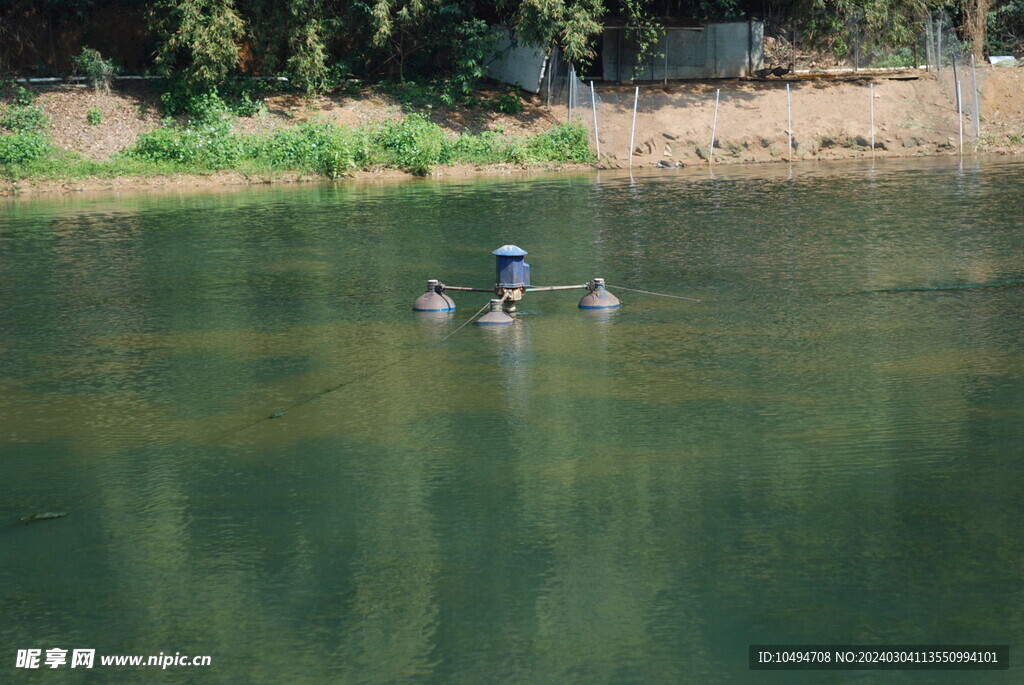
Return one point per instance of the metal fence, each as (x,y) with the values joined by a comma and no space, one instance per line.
(955,70)
(562,87)
(779,120)
(592,104)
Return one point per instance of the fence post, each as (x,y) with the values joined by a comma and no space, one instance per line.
(789,123)
(632,133)
(552,64)
(593,106)
(666,58)
(977,106)
(872,96)
(571,76)
(714,125)
(956,79)
(960,116)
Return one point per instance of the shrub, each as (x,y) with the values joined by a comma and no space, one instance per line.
(246,106)
(23,118)
(314,146)
(19,148)
(414,143)
(509,103)
(241,100)
(902,58)
(208,144)
(94,116)
(564,143)
(489,147)
(98,71)
(200,107)
(23,97)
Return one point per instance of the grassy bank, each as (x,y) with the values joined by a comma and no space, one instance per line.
(210,142)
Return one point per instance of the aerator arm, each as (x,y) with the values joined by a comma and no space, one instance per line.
(596,284)
(545,288)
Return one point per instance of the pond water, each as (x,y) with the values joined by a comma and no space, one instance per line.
(828,448)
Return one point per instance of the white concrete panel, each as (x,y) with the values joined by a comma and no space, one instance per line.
(517,65)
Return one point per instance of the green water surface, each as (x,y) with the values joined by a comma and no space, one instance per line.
(827,449)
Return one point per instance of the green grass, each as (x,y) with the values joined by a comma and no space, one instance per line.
(414,144)
(63,164)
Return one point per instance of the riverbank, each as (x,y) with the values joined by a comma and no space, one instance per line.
(235,179)
(831,116)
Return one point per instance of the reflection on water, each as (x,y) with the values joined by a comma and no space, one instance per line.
(825,449)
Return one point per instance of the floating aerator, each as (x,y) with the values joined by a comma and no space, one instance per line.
(512,283)
(496,316)
(598,297)
(434,299)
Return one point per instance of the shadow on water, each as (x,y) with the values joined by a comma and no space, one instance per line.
(1003,283)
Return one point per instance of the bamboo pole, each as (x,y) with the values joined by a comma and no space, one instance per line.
(593,106)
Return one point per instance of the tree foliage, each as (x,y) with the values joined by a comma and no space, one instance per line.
(307,60)
(1005,24)
(198,39)
(205,43)
(833,25)
(571,24)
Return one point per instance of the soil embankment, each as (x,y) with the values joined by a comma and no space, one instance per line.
(914,115)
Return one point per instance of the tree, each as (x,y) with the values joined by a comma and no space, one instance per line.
(975,13)
(307,60)
(830,24)
(1005,34)
(198,40)
(572,24)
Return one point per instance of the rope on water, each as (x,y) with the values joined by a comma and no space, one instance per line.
(478,313)
(648,292)
(350,381)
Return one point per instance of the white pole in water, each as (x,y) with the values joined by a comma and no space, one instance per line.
(789,124)
(960,115)
(714,125)
(632,133)
(593,106)
(872,96)
(977,110)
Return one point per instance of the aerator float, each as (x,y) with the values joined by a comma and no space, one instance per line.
(511,285)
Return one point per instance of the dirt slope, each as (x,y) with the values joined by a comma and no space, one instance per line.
(831,118)
(133,109)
